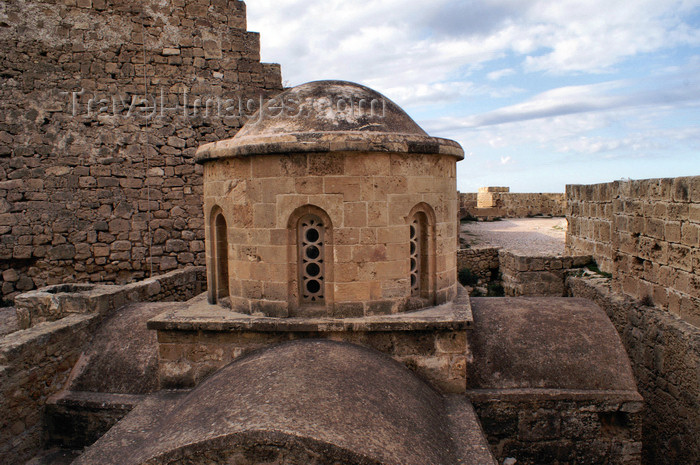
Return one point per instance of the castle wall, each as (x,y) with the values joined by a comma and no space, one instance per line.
(95,184)
(497,202)
(646,233)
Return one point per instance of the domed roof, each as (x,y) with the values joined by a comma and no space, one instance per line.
(343,402)
(325,116)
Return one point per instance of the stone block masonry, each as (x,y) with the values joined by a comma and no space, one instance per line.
(95,184)
(646,233)
(499,202)
(538,275)
(665,354)
(35,363)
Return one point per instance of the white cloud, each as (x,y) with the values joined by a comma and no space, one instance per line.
(465,63)
(496,75)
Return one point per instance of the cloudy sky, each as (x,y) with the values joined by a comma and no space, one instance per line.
(539,93)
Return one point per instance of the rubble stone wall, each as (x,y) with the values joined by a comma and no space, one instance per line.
(35,364)
(95,184)
(481,261)
(563,431)
(647,234)
(664,352)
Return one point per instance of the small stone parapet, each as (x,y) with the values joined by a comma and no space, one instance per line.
(196,339)
(537,275)
(55,302)
(664,352)
(35,364)
(57,323)
(647,234)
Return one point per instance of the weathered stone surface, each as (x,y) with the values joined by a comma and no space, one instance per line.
(519,343)
(82,174)
(335,402)
(646,234)
(665,354)
(330,116)
(197,338)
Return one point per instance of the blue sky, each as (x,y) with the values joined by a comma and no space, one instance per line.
(539,93)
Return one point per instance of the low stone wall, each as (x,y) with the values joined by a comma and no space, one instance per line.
(481,261)
(665,354)
(54,302)
(58,322)
(492,203)
(537,275)
(35,364)
(560,430)
(647,234)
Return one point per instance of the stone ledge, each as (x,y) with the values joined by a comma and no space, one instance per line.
(55,302)
(199,315)
(314,142)
(528,394)
(14,345)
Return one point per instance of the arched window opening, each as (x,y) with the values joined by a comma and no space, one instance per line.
(312,257)
(419,248)
(221,257)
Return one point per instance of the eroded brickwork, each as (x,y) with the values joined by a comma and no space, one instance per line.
(93,181)
(647,234)
(665,355)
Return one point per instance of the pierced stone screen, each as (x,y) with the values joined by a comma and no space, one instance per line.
(415,258)
(311,259)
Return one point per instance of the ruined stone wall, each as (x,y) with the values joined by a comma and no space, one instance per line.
(562,431)
(95,184)
(537,275)
(481,261)
(502,204)
(647,234)
(467,204)
(35,364)
(665,354)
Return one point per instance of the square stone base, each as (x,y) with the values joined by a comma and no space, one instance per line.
(196,339)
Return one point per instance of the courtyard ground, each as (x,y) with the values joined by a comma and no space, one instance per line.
(530,236)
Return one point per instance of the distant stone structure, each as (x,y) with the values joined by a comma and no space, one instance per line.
(96,184)
(498,202)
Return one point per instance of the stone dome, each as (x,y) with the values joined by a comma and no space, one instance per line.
(345,403)
(325,116)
